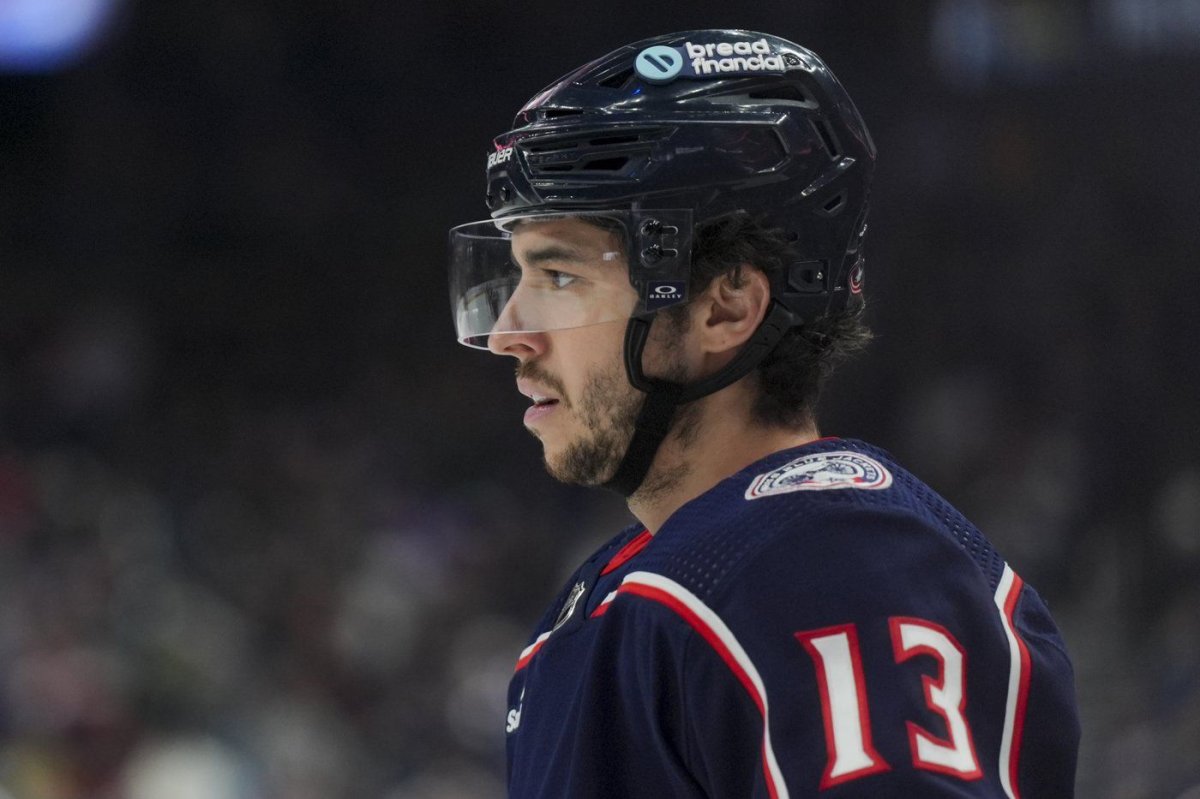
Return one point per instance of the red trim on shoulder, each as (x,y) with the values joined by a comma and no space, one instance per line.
(1018,730)
(710,627)
(706,632)
(603,607)
(627,552)
(530,651)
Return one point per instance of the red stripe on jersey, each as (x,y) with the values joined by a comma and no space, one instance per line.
(705,631)
(530,651)
(704,621)
(602,608)
(1007,596)
(636,545)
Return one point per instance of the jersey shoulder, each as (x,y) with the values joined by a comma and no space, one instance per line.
(609,552)
(807,514)
(830,575)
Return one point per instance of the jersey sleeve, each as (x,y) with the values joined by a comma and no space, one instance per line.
(892,668)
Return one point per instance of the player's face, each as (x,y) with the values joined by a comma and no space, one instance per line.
(583,406)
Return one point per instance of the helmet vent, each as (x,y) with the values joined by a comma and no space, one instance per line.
(617,80)
(613,164)
(558,113)
(608,141)
(553,146)
(827,139)
(607,164)
(834,205)
(791,93)
(591,152)
(571,141)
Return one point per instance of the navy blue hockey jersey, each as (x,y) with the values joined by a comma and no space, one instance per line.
(821,624)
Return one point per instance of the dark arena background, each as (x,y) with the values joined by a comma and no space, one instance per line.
(267,531)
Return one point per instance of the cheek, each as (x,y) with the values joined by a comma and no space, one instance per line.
(670,354)
(584,353)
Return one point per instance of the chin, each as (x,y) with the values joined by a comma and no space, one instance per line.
(579,466)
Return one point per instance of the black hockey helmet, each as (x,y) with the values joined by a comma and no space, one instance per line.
(656,138)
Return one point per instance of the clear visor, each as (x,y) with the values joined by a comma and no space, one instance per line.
(542,272)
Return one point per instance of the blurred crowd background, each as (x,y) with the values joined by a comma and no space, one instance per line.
(267,532)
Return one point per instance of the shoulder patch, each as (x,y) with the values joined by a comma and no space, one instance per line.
(820,472)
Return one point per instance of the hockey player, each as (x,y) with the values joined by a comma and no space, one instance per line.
(674,259)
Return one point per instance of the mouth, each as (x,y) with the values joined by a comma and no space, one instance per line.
(544,403)
(540,409)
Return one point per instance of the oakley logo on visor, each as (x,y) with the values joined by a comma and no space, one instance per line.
(658,64)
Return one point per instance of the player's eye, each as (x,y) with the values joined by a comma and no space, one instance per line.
(559,280)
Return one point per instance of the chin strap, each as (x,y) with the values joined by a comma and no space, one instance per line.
(654,422)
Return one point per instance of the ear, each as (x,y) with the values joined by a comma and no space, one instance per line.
(730,311)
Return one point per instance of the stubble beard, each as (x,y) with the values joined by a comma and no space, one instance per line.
(607,410)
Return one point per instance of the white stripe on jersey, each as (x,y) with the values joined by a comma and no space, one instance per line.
(1007,594)
(721,638)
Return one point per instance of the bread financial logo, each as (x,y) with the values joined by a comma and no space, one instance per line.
(822,471)
(663,63)
(658,64)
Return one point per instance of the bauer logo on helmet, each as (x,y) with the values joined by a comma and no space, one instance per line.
(499,157)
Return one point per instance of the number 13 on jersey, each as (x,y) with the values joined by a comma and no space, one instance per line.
(848,734)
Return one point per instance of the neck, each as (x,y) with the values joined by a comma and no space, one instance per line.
(712,439)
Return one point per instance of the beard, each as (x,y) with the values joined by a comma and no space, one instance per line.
(607,409)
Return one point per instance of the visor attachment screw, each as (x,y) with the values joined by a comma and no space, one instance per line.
(650,227)
(652,255)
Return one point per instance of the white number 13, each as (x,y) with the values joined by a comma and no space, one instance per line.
(838,663)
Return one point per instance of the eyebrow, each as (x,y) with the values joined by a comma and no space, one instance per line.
(553,252)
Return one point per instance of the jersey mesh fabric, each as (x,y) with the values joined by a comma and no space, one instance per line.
(712,554)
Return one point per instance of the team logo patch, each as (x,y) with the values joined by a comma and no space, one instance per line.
(856,279)
(822,472)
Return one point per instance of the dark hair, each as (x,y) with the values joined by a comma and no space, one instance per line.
(791,377)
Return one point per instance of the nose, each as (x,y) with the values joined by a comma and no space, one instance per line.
(520,344)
